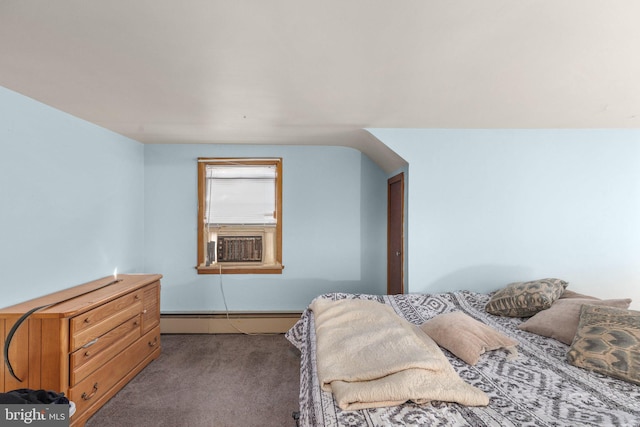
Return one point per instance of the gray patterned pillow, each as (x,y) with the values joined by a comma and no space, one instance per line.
(524,299)
(608,342)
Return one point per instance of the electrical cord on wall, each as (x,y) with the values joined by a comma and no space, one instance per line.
(226,308)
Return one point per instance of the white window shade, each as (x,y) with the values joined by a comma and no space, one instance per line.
(240,194)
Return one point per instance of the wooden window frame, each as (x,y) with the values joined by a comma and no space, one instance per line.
(238,268)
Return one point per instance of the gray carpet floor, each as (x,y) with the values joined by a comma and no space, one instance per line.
(210,381)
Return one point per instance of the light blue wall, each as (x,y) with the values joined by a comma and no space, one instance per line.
(484,208)
(72,200)
(488,207)
(79,201)
(334,228)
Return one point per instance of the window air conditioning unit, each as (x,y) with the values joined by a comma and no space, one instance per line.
(239,248)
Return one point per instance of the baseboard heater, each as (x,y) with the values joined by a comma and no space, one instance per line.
(239,248)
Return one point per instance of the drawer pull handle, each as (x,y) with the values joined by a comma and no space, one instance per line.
(136,297)
(87,320)
(135,323)
(154,342)
(90,343)
(87,354)
(86,396)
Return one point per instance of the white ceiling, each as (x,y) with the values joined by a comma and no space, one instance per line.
(319,72)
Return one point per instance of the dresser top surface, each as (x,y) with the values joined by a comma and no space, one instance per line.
(83,297)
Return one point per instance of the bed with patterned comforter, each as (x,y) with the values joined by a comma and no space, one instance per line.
(537,388)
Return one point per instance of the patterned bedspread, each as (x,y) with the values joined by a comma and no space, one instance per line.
(539,388)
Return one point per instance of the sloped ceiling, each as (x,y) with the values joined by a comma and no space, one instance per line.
(321,72)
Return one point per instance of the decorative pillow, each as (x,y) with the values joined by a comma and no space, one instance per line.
(466,337)
(560,321)
(524,299)
(568,293)
(608,342)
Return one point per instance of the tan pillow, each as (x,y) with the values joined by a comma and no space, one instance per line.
(568,293)
(524,299)
(561,320)
(466,337)
(608,342)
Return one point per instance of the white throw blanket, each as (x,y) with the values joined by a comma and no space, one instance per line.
(370,357)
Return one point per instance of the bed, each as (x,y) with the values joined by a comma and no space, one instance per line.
(536,387)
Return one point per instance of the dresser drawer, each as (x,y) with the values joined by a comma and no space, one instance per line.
(88,358)
(100,382)
(90,318)
(103,324)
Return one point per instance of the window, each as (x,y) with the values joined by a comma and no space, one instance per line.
(239,216)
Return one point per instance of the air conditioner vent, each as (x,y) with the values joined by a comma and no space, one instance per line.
(239,248)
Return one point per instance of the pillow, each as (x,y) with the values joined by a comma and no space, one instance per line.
(524,299)
(560,321)
(571,294)
(466,337)
(608,342)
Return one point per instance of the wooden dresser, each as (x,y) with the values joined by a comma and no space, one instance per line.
(89,346)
